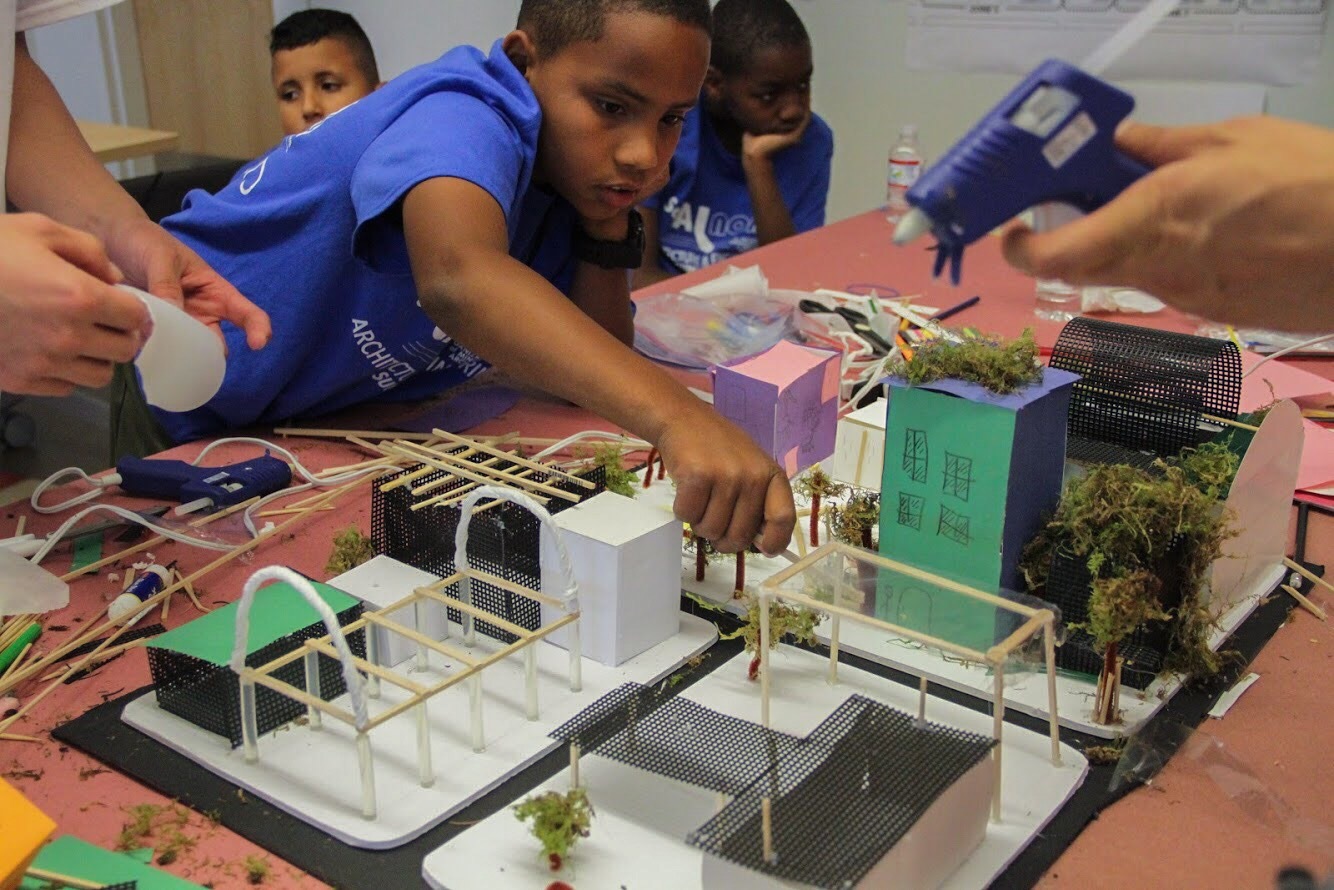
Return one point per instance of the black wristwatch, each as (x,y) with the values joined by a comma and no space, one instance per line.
(626,254)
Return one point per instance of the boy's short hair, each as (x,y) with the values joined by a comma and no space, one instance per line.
(313,25)
(741,28)
(555,24)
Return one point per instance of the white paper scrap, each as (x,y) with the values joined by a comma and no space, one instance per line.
(1229,698)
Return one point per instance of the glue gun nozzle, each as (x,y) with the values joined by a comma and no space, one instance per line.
(912,226)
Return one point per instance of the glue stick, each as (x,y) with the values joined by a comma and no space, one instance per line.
(149,584)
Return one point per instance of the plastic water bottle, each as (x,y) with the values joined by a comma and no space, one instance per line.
(905,165)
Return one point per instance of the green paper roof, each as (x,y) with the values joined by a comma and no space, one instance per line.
(78,859)
(277,610)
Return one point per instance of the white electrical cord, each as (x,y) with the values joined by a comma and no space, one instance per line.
(54,538)
(112,479)
(591,434)
(1282,352)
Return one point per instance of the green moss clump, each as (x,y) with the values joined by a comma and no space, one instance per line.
(1134,529)
(855,521)
(256,869)
(785,620)
(559,821)
(999,366)
(350,549)
(618,478)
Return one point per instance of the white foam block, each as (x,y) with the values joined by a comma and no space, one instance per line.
(859,447)
(382,582)
(312,774)
(644,819)
(624,554)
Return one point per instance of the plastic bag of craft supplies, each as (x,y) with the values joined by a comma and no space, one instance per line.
(732,317)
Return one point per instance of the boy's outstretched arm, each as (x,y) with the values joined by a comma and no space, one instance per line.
(729,490)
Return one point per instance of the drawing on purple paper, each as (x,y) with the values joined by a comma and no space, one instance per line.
(911,508)
(914,454)
(958,475)
(953,526)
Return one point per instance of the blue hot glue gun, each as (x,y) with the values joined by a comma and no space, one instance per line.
(197,487)
(1050,139)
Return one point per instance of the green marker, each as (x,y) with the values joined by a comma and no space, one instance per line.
(29,635)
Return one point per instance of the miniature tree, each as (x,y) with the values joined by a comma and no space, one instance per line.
(617,478)
(1133,528)
(654,457)
(853,522)
(815,485)
(703,550)
(350,549)
(784,620)
(559,821)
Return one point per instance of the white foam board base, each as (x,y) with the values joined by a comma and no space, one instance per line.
(1027,691)
(313,774)
(637,840)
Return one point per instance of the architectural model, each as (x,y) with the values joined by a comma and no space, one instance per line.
(787,400)
(455,592)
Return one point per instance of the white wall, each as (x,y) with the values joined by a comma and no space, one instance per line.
(862,86)
(409,32)
(72,55)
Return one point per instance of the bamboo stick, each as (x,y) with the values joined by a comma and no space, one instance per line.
(767,828)
(465,468)
(349,434)
(480,477)
(1305,603)
(13,665)
(52,877)
(104,655)
(516,459)
(155,541)
(1307,574)
(151,602)
(417,637)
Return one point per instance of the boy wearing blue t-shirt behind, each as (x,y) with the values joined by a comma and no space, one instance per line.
(475,210)
(754,162)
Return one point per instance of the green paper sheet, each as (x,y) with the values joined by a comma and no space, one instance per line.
(78,859)
(277,610)
(87,550)
(947,467)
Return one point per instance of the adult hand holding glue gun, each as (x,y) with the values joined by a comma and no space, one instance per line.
(1050,139)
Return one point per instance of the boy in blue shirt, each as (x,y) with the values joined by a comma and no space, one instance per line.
(321,61)
(754,162)
(475,210)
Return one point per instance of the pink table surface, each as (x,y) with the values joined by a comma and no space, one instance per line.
(1251,793)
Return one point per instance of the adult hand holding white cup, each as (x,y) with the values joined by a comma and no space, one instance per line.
(182,362)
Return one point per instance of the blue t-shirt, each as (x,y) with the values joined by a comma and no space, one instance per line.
(312,232)
(705,214)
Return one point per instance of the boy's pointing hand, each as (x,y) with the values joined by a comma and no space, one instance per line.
(730,491)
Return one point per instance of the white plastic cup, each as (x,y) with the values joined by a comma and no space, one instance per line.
(182,363)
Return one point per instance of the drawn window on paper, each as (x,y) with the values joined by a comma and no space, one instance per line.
(911,509)
(953,526)
(958,475)
(914,454)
